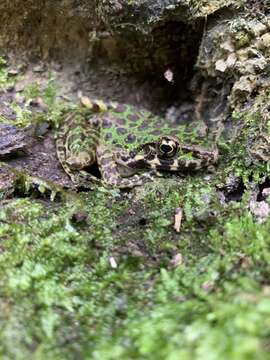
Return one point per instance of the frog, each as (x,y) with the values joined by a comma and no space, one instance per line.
(130,145)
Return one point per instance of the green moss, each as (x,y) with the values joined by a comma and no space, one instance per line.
(105,287)
(62,299)
(5,79)
(241,40)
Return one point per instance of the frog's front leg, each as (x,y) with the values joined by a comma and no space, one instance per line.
(201,157)
(111,174)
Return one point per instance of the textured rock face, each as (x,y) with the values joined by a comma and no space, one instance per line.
(237,50)
(151,38)
(47,28)
(143,15)
(70,29)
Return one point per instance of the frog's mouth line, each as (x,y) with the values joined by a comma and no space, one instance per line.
(141,162)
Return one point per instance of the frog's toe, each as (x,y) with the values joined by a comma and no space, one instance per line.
(83,179)
(127,183)
(81,160)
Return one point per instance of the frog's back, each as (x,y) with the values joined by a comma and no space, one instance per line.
(128,126)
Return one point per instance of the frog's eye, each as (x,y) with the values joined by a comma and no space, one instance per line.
(168,147)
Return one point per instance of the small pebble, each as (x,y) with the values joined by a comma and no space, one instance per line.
(176,261)
(13,72)
(221,65)
(19,86)
(20,99)
(265,40)
(266,192)
(80,217)
(39,68)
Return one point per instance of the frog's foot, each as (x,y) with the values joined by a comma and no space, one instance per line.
(79,177)
(127,183)
(204,157)
(82,179)
(111,174)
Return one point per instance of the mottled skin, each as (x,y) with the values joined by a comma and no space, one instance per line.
(128,144)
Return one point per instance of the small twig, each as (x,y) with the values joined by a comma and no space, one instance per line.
(178,219)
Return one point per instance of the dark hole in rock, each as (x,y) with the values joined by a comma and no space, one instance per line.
(264,190)
(143,221)
(19,154)
(163,60)
(236,193)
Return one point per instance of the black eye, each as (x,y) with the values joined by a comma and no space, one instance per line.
(166,149)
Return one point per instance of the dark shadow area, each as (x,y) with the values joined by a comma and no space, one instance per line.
(262,194)
(234,191)
(162,60)
(94,170)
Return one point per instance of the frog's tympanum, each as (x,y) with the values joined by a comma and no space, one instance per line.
(129,145)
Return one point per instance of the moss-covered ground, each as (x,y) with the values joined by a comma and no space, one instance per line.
(62,298)
(94,275)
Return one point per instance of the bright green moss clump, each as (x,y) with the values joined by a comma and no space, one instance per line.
(61,298)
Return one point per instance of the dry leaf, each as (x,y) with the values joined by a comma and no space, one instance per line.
(112,262)
(178,219)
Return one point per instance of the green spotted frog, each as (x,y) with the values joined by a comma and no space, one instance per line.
(129,144)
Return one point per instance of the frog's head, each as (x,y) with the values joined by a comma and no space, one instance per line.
(162,154)
(167,153)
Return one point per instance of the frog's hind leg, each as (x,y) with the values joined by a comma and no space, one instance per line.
(76,150)
(111,175)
